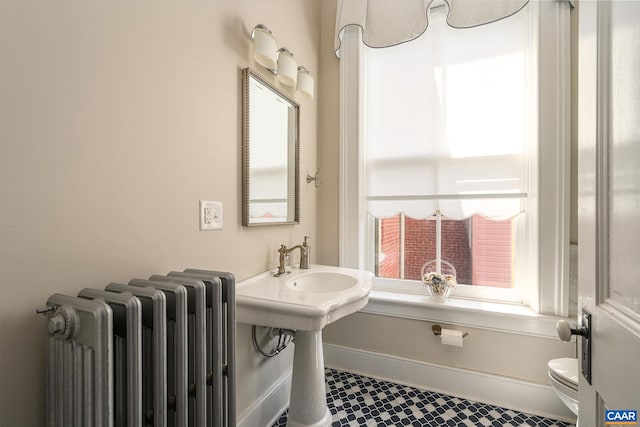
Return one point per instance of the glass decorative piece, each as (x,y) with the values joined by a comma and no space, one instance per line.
(439,279)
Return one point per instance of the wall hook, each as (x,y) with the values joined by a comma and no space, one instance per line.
(315,179)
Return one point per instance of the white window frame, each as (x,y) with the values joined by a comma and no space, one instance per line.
(546,290)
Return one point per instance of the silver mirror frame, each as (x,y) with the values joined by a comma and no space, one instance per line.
(246,150)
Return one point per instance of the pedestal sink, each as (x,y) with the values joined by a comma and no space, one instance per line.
(304,300)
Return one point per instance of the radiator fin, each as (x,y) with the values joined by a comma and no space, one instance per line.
(79,378)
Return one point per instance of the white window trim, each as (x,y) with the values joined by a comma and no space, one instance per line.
(352,217)
(549,278)
(486,293)
(473,313)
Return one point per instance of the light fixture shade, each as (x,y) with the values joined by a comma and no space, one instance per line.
(287,67)
(305,83)
(265,49)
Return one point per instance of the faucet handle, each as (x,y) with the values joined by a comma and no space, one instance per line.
(305,253)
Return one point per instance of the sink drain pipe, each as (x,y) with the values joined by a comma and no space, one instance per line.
(285,337)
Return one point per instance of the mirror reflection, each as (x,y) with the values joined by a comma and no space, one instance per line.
(270,154)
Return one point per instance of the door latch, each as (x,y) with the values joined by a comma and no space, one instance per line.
(565,331)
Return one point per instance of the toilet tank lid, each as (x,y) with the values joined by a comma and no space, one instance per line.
(565,368)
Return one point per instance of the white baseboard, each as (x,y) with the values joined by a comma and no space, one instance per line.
(269,406)
(523,396)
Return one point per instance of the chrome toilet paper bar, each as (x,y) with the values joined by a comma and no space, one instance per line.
(437,331)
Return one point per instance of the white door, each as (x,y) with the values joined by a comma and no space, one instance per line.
(609,204)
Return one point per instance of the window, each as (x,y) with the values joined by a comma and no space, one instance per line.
(480,249)
(450,134)
(471,123)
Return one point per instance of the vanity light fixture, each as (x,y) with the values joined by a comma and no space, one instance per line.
(264,47)
(287,67)
(280,62)
(305,82)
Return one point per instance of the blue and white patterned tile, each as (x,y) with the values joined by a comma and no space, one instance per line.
(359,401)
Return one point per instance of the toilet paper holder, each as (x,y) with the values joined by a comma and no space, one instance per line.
(437,331)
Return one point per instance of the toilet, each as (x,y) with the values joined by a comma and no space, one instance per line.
(563,375)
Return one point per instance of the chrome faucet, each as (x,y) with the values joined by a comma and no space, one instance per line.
(305,250)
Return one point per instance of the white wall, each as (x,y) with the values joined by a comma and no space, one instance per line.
(115,119)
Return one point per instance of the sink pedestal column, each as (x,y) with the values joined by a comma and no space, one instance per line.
(308,403)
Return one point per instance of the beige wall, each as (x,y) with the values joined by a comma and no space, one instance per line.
(115,119)
(511,355)
(328,138)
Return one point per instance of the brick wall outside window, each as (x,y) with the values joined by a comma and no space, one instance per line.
(480,249)
(420,246)
(389,255)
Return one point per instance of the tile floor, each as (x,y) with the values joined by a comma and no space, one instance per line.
(360,401)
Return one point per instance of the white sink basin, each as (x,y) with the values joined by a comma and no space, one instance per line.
(304,299)
(322,282)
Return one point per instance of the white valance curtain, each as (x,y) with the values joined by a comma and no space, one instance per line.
(390,22)
(447,115)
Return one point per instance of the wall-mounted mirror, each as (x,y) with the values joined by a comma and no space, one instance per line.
(270,154)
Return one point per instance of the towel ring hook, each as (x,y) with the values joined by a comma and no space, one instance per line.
(315,179)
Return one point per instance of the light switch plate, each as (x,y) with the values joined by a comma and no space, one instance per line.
(210,215)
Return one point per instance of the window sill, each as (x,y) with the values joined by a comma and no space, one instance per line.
(503,317)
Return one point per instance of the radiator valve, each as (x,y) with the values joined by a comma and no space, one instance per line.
(64,322)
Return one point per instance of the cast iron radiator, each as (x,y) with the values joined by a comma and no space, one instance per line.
(158,352)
